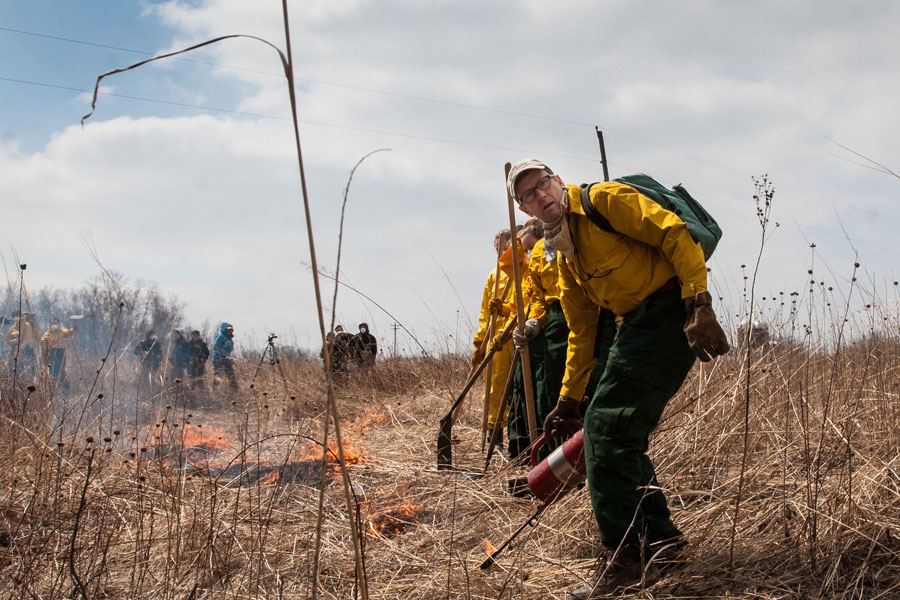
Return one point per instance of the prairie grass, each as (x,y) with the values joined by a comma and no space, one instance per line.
(141,492)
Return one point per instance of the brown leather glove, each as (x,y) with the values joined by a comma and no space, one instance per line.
(704,334)
(558,423)
(496,306)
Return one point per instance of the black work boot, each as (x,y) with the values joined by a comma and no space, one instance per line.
(619,574)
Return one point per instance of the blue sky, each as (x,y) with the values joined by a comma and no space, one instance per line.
(30,39)
(206,202)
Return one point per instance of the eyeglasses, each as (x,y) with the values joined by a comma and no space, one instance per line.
(528,196)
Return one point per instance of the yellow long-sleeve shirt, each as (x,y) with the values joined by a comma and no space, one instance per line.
(57,338)
(484,316)
(543,287)
(28,333)
(618,271)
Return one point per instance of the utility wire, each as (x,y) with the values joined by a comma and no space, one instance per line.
(406,96)
(443,141)
(306,122)
(399,95)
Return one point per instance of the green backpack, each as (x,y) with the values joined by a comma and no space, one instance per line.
(703,228)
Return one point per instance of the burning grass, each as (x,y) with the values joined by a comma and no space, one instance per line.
(219,498)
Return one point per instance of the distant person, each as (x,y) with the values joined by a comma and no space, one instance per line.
(150,353)
(54,343)
(179,354)
(757,334)
(223,367)
(22,339)
(343,341)
(364,347)
(197,363)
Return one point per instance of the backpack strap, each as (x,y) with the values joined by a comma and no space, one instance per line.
(591,212)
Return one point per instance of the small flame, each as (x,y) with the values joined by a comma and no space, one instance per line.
(489,547)
(210,438)
(272,478)
(394,520)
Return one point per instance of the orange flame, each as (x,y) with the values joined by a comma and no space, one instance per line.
(208,437)
(351,438)
(489,547)
(394,520)
(272,478)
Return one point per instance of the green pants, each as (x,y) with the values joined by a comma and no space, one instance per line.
(647,363)
(547,353)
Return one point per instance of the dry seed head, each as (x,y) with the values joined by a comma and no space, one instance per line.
(31,387)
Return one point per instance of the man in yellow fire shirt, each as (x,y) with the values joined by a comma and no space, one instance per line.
(650,272)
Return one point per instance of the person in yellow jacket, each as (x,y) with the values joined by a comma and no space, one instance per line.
(54,343)
(546,334)
(546,354)
(502,360)
(652,274)
(22,339)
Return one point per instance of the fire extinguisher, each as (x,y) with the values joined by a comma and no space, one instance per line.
(563,470)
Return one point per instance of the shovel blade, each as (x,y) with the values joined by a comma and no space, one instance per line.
(444,447)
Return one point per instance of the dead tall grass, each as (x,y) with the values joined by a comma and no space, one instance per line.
(115,510)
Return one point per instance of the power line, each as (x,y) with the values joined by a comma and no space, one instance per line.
(154,100)
(305,121)
(394,94)
(430,139)
(409,97)
(399,95)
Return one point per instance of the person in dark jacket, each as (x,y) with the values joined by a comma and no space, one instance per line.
(150,353)
(223,367)
(363,348)
(179,354)
(197,362)
(342,343)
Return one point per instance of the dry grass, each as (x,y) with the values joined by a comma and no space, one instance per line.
(118,517)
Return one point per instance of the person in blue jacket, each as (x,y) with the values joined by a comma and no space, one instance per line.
(223,367)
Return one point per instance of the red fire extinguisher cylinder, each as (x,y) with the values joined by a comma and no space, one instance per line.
(563,470)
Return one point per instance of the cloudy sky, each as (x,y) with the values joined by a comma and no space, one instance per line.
(187,175)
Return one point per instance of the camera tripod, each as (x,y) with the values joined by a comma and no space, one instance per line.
(272,353)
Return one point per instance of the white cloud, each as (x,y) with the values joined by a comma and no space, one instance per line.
(209,206)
